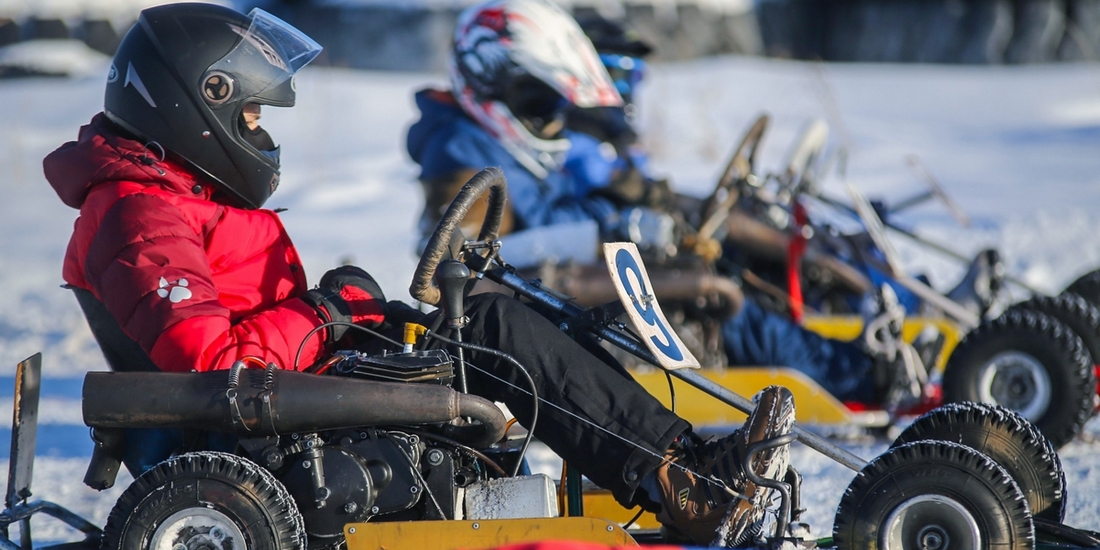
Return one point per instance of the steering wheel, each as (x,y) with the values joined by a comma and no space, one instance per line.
(741,164)
(440,244)
(803,164)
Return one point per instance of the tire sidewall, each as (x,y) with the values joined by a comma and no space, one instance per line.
(193,492)
(972,480)
(1061,420)
(246,495)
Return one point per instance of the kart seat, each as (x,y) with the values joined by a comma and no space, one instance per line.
(140,449)
(123,354)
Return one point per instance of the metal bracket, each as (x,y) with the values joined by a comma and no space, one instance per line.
(784,517)
(598,316)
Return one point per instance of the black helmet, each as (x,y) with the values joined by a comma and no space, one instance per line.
(184,73)
(614,37)
(621,50)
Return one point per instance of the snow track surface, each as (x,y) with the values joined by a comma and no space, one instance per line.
(1017,147)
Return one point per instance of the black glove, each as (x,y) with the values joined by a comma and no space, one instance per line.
(629,187)
(659,195)
(350,295)
(398,313)
(626,188)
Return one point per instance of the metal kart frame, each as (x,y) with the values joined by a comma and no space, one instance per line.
(19,508)
(483,258)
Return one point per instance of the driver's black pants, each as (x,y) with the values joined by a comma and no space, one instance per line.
(593,416)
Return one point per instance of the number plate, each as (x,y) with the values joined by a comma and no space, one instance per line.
(632,283)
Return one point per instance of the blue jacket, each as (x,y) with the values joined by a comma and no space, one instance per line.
(446,140)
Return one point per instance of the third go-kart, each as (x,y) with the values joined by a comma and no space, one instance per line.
(369,452)
(1036,356)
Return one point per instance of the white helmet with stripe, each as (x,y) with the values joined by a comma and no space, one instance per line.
(515,65)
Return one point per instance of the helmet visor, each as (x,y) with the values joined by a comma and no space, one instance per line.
(269,53)
(532,100)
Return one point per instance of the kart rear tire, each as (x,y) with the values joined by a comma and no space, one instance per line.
(1087,286)
(1007,438)
(1074,311)
(1028,362)
(205,497)
(930,491)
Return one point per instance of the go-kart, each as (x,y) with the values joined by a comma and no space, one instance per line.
(1027,357)
(759,235)
(380,451)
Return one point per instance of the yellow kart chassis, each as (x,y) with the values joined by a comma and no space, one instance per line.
(455,534)
(815,405)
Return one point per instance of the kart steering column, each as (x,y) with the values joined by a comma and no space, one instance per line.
(451,276)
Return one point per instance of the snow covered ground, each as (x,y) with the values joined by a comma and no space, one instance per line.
(1017,147)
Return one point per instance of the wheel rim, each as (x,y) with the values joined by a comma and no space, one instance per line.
(198,528)
(931,522)
(1018,381)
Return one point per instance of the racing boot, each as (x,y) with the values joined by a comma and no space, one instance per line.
(705,495)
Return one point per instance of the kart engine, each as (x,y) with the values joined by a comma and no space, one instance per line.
(375,437)
(355,475)
(347,476)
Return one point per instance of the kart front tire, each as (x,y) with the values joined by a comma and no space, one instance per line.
(1007,438)
(1087,286)
(933,494)
(1074,311)
(1031,363)
(205,500)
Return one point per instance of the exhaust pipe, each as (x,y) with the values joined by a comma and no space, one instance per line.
(263,403)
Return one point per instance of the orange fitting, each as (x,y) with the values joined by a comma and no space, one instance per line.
(412,331)
(253,362)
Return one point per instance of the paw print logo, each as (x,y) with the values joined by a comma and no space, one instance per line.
(175,292)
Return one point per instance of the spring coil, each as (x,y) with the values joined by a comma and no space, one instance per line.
(235,374)
(269,375)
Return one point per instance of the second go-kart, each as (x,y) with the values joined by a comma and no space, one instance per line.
(758,235)
(382,452)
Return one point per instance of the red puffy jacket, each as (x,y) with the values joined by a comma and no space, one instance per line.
(197,283)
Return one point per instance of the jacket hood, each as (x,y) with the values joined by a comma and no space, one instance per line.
(438,110)
(102,154)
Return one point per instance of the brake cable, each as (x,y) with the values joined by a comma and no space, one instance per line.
(302,345)
(518,365)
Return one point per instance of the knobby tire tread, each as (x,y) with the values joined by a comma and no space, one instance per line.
(1072,401)
(1010,440)
(255,482)
(990,494)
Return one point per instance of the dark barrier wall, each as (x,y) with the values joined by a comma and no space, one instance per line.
(932,31)
(923,31)
(417,37)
